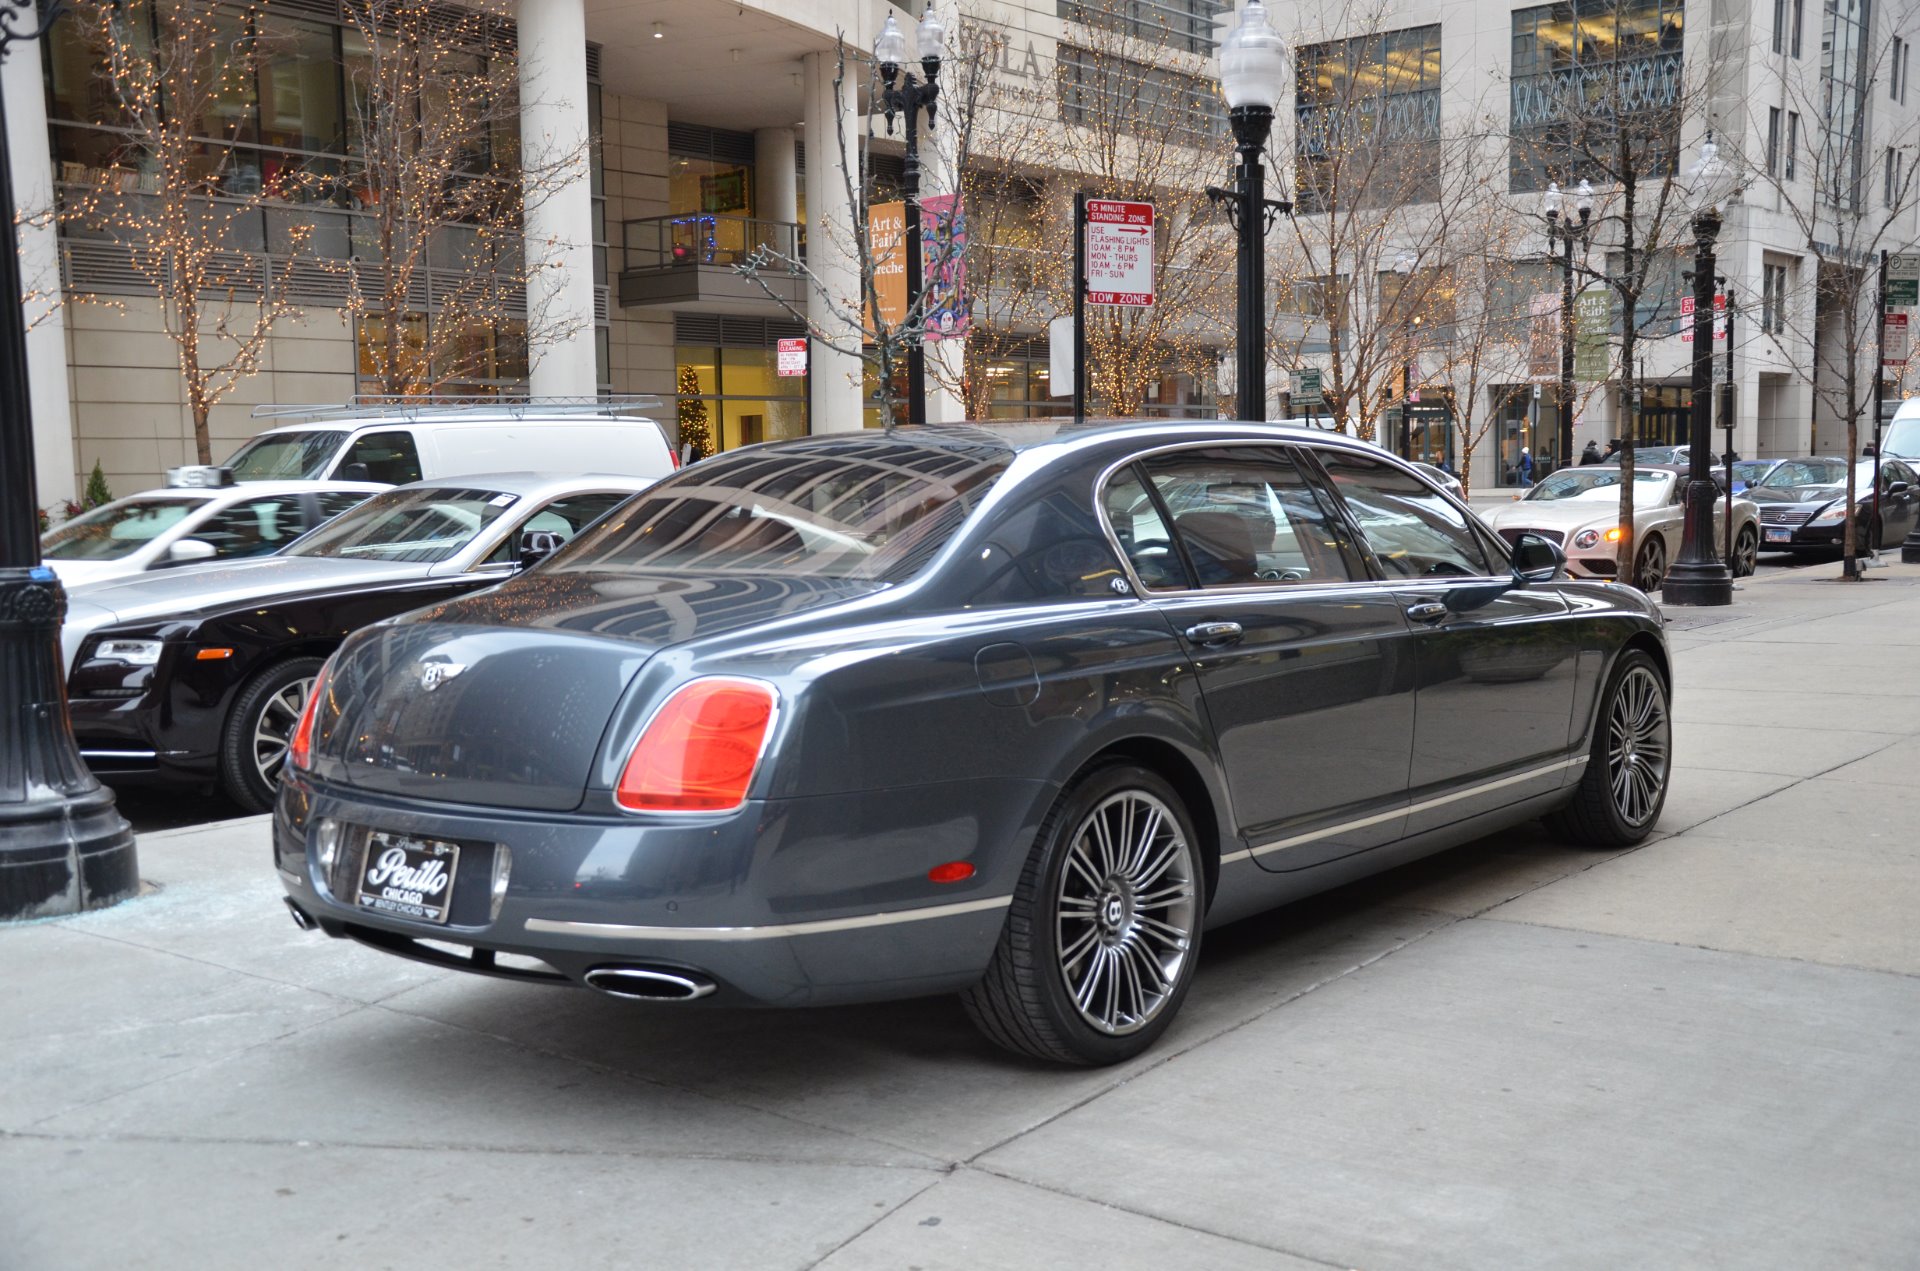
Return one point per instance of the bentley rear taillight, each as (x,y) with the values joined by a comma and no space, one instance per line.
(700,750)
(300,746)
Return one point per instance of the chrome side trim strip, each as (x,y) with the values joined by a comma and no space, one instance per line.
(776,931)
(119,754)
(1361,823)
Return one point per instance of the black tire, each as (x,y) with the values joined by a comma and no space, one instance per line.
(1026,1002)
(262,706)
(1746,552)
(1650,565)
(1607,808)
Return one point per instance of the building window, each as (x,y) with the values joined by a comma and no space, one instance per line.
(726,380)
(1773,299)
(1570,56)
(1895,186)
(1187,25)
(1368,120)
(1843,83)
(1780,25)
(1116,94)
(1897,70)
(1799,13)
(1773,141)
(1792,166)
(478,361)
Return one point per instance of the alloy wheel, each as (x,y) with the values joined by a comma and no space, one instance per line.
(273,727)
(1638,744)
(1126,912)
(1652,568)
(1746,553)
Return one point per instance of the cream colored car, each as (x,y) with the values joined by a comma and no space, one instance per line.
(1579,508)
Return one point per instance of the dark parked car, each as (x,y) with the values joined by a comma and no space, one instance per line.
(966,710)
(197,676)
(1803,505)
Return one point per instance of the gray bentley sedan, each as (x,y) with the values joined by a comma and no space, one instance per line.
(1017,712)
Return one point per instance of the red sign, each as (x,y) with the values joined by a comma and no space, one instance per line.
(1119,253)
(791,358)
(1894,348)
(1719,318)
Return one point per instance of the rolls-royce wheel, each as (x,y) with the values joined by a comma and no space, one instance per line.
(1101,940)
(1746,552)
(254,747)
(1650,566)
(1625,783)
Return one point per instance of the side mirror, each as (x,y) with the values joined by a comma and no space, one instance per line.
(354,472)
(188,550)
(1898,487)
(537,545)
(1537,559)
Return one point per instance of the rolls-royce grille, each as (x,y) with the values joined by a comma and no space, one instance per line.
(1782,516)
(1554,536)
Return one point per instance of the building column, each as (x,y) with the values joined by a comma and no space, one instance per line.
(834,379)
(559,198)
(54,460)
(776,175)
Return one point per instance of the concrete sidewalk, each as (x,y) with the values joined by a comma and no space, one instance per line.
(1701,1053)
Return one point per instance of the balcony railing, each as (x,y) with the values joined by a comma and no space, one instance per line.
(691,240)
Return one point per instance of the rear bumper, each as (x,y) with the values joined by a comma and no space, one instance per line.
(786,903)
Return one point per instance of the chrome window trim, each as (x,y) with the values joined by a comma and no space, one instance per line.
(771,931)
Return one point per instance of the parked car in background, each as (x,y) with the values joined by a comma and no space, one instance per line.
(199,519)
(1750,472)
(1803,504)
(1442,478)
(398,444)
(1579,508)
(196,677)
(972,709)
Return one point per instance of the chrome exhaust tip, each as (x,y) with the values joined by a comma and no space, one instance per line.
(301,918)
(646,985)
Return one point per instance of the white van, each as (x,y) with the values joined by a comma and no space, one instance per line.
(396,444)
(1901,437)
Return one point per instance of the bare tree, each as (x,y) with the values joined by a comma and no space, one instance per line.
(887,335)
(177,194)
(434,164)
(1610,109)
(1850,196)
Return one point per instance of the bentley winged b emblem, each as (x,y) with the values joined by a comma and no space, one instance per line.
(434,674)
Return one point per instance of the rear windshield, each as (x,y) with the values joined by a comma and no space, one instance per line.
(423,525)
(286,456)
(116,530)
(856,508)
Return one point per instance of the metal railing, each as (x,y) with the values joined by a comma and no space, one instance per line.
(385,405)
(702,238)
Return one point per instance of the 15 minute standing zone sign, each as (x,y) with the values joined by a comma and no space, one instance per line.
(1119,253)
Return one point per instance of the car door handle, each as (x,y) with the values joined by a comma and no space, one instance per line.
(1427,611)
(1215,632)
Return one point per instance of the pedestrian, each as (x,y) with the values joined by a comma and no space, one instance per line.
(1526,466)
(1591,454)
(1613,449)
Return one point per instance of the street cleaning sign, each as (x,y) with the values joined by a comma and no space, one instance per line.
(1119,253)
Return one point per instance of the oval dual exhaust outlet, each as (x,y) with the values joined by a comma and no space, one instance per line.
(646,984)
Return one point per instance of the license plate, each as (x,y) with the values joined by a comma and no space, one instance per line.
(408,877)
(1779,536)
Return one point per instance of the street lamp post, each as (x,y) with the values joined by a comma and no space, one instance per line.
(1699,576)
(903,93)
(63,847)
(1403,266)
(1253,67)
(1566,233)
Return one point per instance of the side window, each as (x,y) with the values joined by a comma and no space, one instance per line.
(254,528)
(334,502)
(1143,536)
(1249,518)
(565,517)
(1413,530)
(388,456)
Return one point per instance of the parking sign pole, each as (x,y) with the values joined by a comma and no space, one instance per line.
(63,847)
(1079,308)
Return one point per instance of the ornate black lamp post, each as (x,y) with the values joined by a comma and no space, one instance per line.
(1253,68)
(902,93)
(1699,576)
(1565,231)
(63,848)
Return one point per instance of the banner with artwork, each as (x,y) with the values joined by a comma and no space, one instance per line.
(943,252)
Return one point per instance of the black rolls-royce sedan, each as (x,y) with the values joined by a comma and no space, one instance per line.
(1015,712)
